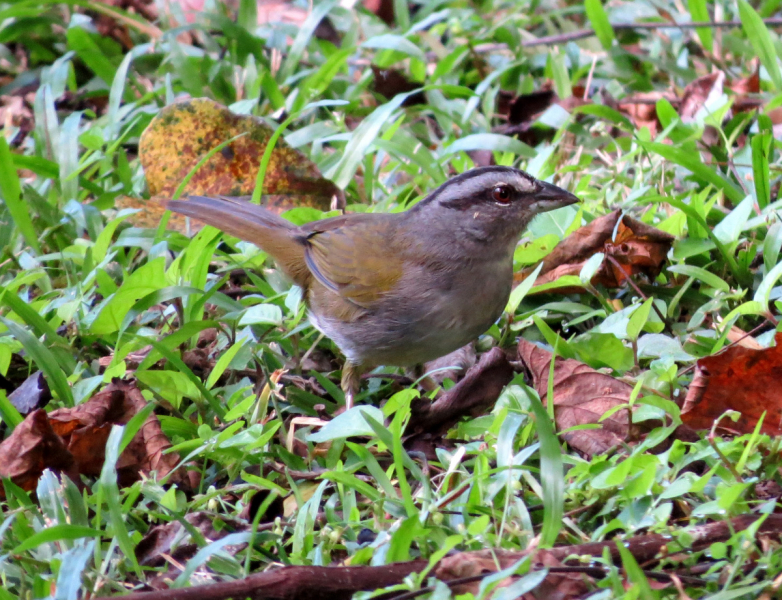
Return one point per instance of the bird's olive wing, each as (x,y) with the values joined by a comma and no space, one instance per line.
(354,258)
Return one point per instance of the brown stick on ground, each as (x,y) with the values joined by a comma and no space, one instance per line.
(339,583)
(580,34)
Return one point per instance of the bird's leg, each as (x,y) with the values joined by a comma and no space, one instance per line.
(351,382)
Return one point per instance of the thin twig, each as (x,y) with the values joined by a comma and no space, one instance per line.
(580,34)
(638,291)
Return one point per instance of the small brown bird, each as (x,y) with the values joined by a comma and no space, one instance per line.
(405,288)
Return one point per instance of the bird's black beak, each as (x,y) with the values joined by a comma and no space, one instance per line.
(548,197)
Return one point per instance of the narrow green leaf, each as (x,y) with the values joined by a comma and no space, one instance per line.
(180,366)
(599,19)
(701,275)
(56,533)
(692,162)
(495,142)
(12,197)
(521,290)
(318,13)
(635,574)
(758,35)
(81,42)
(343,172)
(761,153)
(44,360)
(8,412)
(699,13)
(552,474)
(638,319)
(222,363)
(109,490)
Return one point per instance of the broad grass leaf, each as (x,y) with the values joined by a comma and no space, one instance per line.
(349,424)
(599,19)
(730,228)
(758,35)
(495,142)
(262,314)
(145,280)
(11,191)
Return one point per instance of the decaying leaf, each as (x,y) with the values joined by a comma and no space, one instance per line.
(184,132)
(172,538)
(637,248)
(390,82)
(73,440)
(33,393)
(581,396)
(698,93)
(523,110)
(741,379)
(32,447)
(477,391)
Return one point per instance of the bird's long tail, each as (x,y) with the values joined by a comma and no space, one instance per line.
(252,223)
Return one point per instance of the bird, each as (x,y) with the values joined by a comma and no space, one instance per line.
(399,289)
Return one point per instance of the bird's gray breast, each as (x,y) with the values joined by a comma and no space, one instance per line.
(432,312)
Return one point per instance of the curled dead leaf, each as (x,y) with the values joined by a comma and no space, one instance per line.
(698,93)
(73,440)
(172,539)
(637,248)
(741,379)
(581,396)
(32,447)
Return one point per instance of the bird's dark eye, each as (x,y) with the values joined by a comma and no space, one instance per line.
(501,194)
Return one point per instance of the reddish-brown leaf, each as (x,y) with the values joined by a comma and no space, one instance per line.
(697,92)
(74,440)
(637,248)
(32,447)
(581,396)
(741,379)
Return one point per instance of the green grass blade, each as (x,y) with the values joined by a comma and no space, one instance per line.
(699,13)
(44,359)
(599,19)
(758,35)
(12,196)
(552,474)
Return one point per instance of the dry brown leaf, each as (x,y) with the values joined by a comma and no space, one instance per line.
(642,108)
(32,447)
(182,133)
(741,379)
(164,539)
(745,90)
(390,82)
(16,112)
(523,110)
(73,440)
(581,396)
(638,248)
(697,93)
